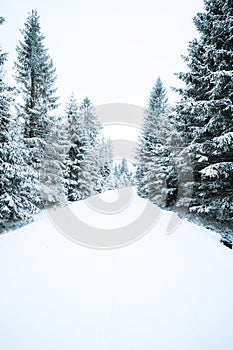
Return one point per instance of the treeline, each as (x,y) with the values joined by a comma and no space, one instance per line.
(185,154)
(46,160)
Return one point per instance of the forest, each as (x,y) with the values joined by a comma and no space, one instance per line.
(184,156)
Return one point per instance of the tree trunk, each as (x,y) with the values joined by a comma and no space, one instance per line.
(32,106)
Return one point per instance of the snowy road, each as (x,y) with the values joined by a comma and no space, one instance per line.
(162,292)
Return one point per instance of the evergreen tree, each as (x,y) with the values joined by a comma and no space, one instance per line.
(5,97)
(204,116)
(104,156)
(82,166)
(35,75)
(16,188)
(90,120)
(123,176)
(155,175)
(53,175)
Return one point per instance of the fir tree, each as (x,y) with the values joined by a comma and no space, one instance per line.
(90,120)
(35,75)
(82,166)
(155,174)
(53,175)
(104,156)
(123,176)
(16,187)
(5,98)
(204,116)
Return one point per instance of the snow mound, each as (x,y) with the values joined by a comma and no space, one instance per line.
(164,292)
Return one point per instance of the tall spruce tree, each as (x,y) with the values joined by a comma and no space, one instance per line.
(35,75)
(204,116)
(5,98)
(16,188)
(155,174)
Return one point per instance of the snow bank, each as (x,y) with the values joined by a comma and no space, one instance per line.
(162,292)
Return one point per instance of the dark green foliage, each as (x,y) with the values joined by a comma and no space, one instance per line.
(16,187)
(204,116)
(82,164)
(155,175)
(36,76)
(53,167)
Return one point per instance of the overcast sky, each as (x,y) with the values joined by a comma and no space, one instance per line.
(109,51)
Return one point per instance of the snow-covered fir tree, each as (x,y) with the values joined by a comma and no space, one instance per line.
(155,175)
(5,97)
(104,156)
(82,165)
(16,187)
(123,176)
(35,75)
(53,175)
(204,116)
(90,120)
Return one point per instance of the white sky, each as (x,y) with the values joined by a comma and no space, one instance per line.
(109,51)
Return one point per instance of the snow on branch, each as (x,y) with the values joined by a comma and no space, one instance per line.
(223,169)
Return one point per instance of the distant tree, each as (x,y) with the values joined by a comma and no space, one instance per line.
(91,122)
(123,176)
(82,165)
(104,156)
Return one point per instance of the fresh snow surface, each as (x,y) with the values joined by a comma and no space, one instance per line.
(163,292)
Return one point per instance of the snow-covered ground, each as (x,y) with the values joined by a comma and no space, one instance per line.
(163,292)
